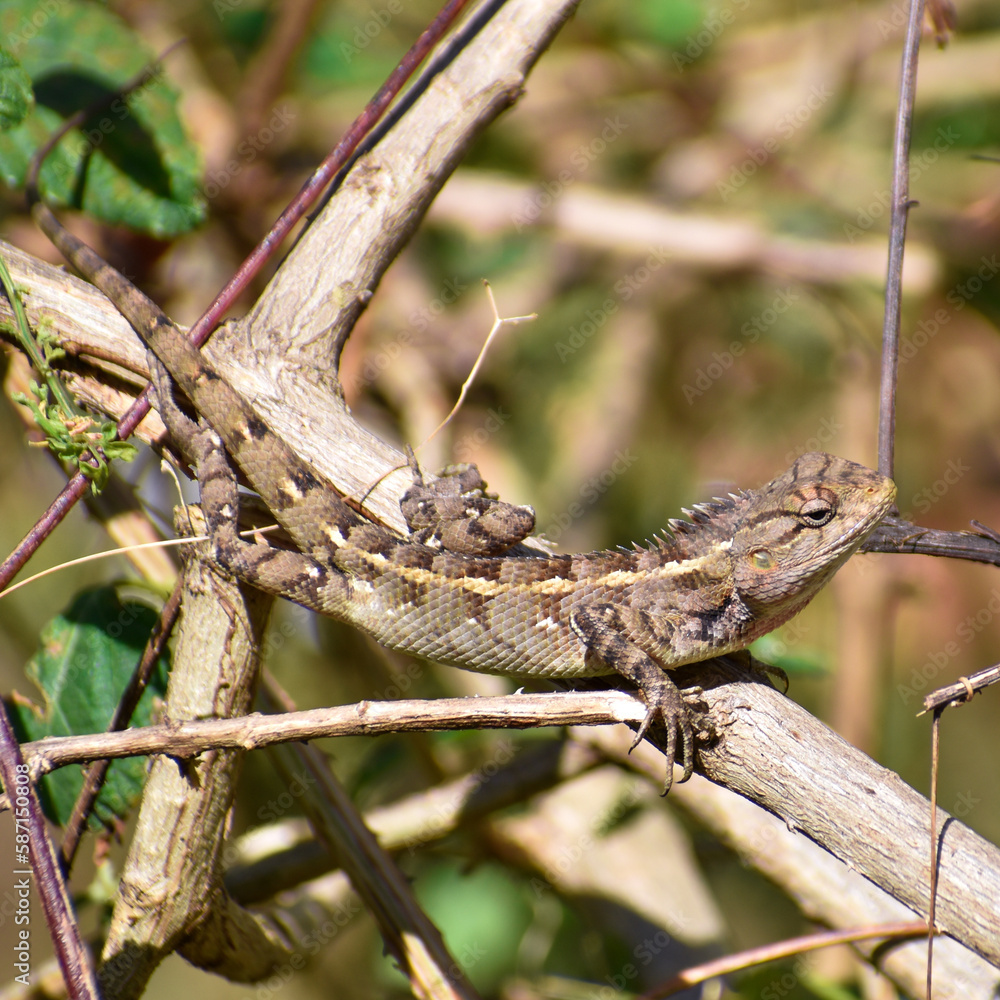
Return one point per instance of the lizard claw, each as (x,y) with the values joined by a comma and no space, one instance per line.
(607,631)
(665,703)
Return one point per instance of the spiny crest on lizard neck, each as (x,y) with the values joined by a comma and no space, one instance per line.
(708,524)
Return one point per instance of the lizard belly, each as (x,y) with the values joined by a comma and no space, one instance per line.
(501,632)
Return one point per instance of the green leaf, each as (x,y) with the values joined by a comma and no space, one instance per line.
(86,657)
(71,437)
(15,92)
(668,24)
(130,163)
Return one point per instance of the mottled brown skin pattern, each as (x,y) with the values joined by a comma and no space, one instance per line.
(738,569)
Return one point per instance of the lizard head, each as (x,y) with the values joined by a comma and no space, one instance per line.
(798,530)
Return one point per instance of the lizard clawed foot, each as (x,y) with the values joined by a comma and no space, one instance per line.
(665,704)
(454,512)
(610,631)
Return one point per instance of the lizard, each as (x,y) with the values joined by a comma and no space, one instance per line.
(735,570)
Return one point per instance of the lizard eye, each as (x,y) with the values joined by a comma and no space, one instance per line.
(817,511)
(762,559)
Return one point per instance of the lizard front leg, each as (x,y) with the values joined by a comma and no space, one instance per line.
(609,631)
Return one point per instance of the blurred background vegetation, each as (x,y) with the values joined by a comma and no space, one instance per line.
(692,196)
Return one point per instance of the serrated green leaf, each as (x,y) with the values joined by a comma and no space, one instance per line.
(15,91)
(129,164)
(85,659)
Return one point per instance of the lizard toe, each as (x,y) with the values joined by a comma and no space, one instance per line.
(666,705)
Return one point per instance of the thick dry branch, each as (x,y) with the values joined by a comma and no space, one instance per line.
(168,897)
(825,889)
(784,759)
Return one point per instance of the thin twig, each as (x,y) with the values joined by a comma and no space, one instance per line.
(783,949)
(963,689)
(932,902)
(107,554)
(366,718)
(896,535)
(498,323)
(986,530)
(897,239)
(265,76)
(74,957)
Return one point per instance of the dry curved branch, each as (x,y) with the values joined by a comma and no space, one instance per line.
(778,755)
